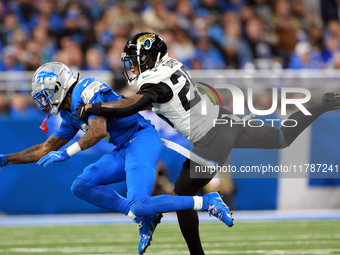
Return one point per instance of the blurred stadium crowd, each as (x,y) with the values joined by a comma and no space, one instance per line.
(203,34)
(206,34)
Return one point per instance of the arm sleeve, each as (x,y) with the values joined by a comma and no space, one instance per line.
(143,102)
(159,93)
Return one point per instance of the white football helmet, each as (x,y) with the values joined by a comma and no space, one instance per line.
(50,84)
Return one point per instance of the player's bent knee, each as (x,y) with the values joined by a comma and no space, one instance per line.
(80,187)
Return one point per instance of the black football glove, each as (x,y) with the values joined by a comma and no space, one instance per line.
(83,114)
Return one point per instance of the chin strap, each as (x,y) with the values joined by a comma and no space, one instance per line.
(43,126)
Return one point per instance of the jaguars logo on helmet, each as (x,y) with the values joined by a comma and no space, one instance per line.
(146,40)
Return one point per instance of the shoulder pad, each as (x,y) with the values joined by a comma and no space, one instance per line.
(89,87)
(159,73)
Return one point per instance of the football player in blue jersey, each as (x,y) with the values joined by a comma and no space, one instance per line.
(165,85)
(56,90)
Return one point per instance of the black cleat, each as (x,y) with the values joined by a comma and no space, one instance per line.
(331,101)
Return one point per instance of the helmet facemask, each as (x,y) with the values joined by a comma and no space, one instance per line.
(43,102)
(129,62)
(142,62)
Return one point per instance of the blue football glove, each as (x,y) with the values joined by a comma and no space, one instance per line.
(53,156)
(3,160)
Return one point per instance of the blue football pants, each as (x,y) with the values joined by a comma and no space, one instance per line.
(136,163)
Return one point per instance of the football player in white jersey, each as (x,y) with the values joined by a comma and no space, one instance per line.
(165,86)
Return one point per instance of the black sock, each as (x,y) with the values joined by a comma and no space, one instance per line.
(303,121)
(186,218)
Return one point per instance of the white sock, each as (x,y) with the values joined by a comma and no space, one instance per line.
(131,215)
(198,203)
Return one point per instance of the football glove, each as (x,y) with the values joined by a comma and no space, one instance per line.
(3,160)
(53,156)
(83,114)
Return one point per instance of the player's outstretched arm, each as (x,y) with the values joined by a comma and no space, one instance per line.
(34,153)
(115,109)
(96,132)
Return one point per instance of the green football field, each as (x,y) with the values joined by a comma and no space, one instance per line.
(269,238)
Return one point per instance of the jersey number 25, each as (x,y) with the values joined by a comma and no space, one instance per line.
(182,94)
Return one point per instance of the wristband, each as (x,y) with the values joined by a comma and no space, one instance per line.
(73,149)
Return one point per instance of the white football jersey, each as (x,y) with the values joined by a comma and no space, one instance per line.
(184,109)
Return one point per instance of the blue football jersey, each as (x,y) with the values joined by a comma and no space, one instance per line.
(89,91)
